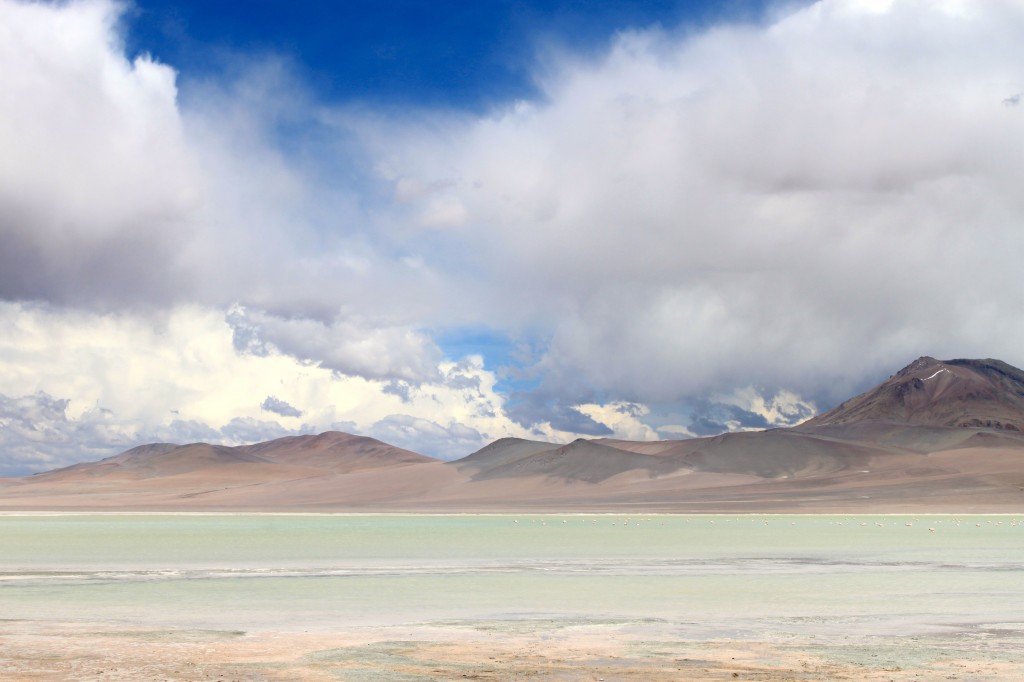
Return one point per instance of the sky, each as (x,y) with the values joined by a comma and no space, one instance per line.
(439,224)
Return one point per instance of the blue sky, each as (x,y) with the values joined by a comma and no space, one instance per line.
(439,225)
(472,55)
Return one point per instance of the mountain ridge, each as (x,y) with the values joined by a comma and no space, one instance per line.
(334,451)
(934,436)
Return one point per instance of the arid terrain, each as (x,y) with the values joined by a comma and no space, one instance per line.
(497,652)
(936,436)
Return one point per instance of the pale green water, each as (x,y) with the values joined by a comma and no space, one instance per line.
(730,576)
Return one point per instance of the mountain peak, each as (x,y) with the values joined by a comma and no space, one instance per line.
(959,393)
(923,362)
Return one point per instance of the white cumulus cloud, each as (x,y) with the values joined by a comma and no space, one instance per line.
(114,380)
(802,206)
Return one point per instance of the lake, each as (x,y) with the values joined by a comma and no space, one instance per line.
(678,577)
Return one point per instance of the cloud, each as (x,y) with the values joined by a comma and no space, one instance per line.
(37,435)
(344,346)
(122,187)
(675,432)
(400,389)
(85,385)
(622,419)
(544,414)
(428,437)
(242,430)
(98,181)
(801,206)
(711,418)
(805,204)
(782,409)
(238,431)
(277,406)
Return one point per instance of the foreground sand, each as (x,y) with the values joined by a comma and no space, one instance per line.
(490,650)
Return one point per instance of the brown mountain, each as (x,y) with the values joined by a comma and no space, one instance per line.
(953,393)
(936,436)
(331,452)
(580,460)
(335,451)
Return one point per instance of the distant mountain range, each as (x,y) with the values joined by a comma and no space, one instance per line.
(936,436)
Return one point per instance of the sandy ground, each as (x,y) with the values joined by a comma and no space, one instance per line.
(489,650)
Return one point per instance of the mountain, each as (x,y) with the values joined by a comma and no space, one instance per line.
(954,393)
(504,451)
(580,460)
(937,436)
(330,452)
(335,451)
